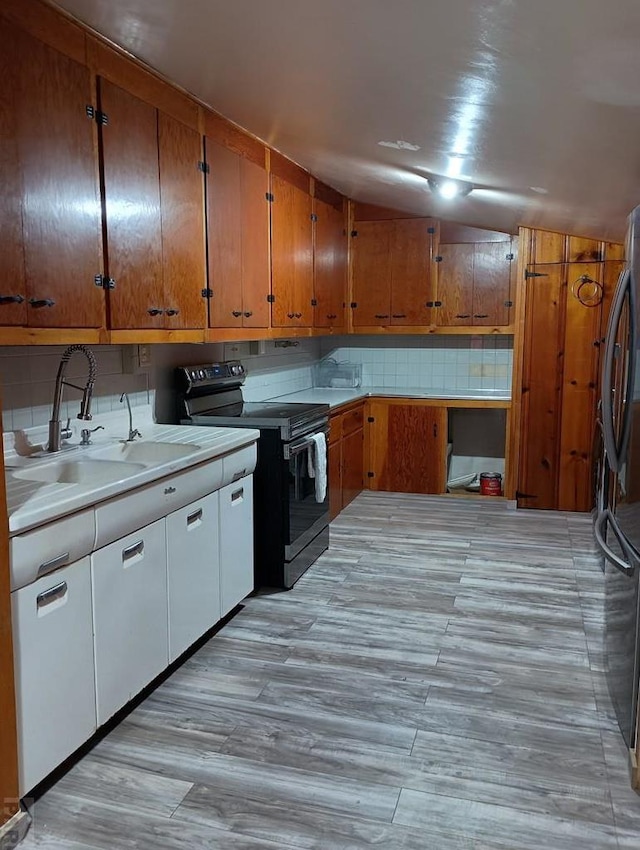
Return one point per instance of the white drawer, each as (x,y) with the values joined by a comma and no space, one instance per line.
(49,547)
(240,464)
(126,513)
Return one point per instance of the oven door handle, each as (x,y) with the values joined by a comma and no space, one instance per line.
(293,449)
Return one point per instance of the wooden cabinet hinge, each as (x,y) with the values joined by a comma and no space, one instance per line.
(90,111)
(353,305)
(95,114)
(206,293)
(271,298)
(314,217)
(104,282)
(204,167)
(269,197)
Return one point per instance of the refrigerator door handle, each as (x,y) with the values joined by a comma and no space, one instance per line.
(610,445)
(604,518)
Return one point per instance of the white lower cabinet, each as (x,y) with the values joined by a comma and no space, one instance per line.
(193,572)
(236,543)
(54,669)
(129,585)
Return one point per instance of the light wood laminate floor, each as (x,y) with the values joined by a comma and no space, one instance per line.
(432,683)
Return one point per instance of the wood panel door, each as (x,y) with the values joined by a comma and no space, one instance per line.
(411,286)
(182,216)
(352,466)
(372,272)
(50,207)
(541,386)
(238,232)
(131,175)
(329,266)
(492,269)
(455,284)
(408,447)
(581,362)
(335,478)
(291,255)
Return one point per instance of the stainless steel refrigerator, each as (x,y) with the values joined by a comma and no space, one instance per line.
(617,515)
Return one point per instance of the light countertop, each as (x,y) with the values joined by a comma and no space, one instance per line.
(31,503)
(336,397)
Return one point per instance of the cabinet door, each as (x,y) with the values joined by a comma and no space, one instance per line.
(129,586)
(238,229)
(330,266)
(408,448)
(492,268)
(132,206)
(182,213)
(352,466)
(193,572)
(291,255)
(411,272)
(54,669)
(50,206)
(372,273)
(455,284)
(335,478)
(236,543)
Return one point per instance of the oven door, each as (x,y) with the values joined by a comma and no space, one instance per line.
(305,517)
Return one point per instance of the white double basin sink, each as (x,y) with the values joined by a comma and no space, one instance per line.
(104,464)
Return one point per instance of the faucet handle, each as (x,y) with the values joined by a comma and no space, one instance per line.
(67,432)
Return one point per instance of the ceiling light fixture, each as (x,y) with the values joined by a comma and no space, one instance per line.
(449,189)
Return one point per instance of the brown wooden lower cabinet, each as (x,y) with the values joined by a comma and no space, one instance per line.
(407,446)
(346,457)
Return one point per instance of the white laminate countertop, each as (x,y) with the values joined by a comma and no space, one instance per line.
(336,397)
(32,503)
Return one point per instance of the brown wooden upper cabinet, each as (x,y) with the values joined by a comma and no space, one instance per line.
(329,264)
(291,245)
(476,270)
(153,174)
(238,233)
(392,281)
(49,195)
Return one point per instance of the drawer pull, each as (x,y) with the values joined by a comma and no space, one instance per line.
(248,314)
(236,313)
(11,299)
(50,595)
(480,315)
(53,564)
(132,551)
(172,311)
(381,316)
(42,302)
(399,316)
(169,490)
(239,474)
(463,315)
(196,516)
(237,494)
(155,311)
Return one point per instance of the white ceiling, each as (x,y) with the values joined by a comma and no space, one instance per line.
(532,93)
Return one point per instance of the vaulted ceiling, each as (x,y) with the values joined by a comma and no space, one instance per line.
(535,102)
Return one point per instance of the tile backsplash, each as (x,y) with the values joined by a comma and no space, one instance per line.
(454,362)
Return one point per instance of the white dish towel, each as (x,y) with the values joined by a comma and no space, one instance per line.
(317,464)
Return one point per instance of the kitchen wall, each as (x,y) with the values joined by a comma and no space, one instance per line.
(273,369)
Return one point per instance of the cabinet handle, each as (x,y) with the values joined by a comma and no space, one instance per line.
(11,299)
(290,315)
(236,313)
(50,595)
(172,311)
(237,494)
(399,316)
(248,313)
(332,316)
(196,516)
(463,315)
(132,551)
(381,316)
(41,302)
(480,315)
(53,564)
(298,315)
(239,474)
(169,490)
(155,311)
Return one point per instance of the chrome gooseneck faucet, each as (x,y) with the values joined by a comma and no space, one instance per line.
(55,429)
(133,432)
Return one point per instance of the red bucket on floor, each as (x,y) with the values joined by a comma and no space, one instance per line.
(490,484)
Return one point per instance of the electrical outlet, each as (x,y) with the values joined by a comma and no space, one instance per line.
(144,356)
